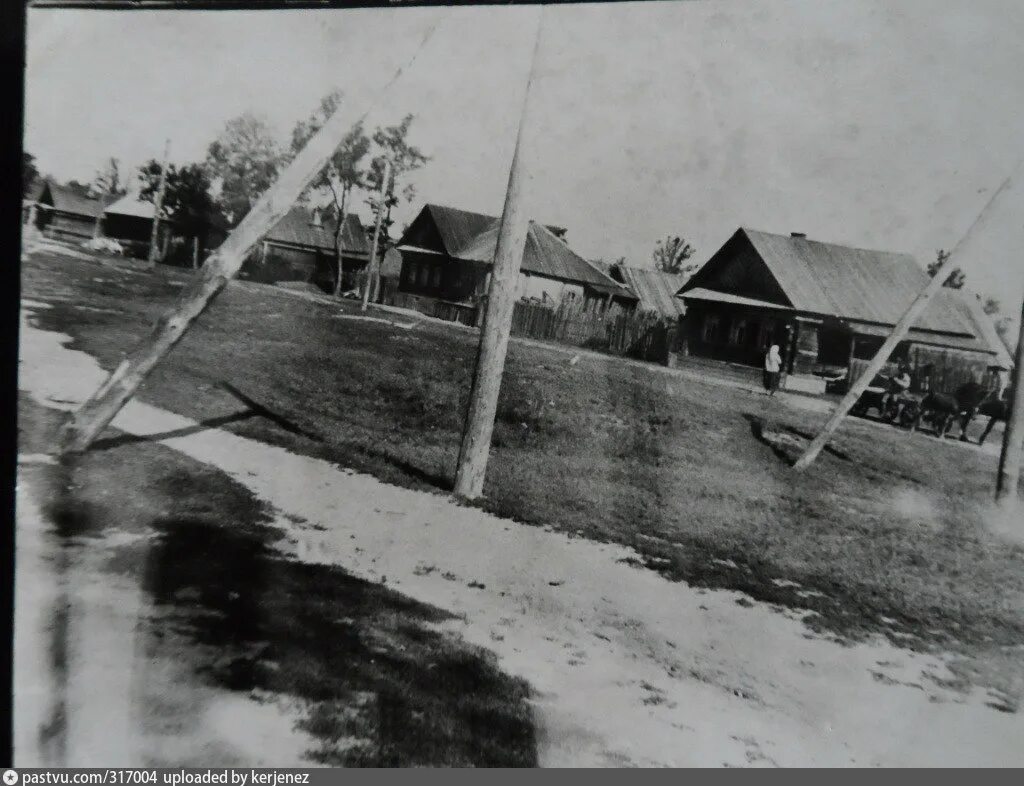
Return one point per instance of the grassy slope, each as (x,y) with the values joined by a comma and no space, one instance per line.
(887,530)
(382,688)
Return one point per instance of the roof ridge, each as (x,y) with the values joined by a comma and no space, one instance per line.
(805,239)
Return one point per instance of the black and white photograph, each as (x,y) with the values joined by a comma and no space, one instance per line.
(564,385)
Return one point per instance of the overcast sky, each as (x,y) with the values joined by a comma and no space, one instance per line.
(876,123)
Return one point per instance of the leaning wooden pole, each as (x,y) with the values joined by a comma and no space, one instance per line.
(371,264)
(497,325)
(95,414)
(1008,479)
(158,204)
(897,335)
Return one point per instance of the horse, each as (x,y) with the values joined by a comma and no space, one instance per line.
(941,409)
(995,408)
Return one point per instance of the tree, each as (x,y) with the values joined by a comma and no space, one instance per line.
(244,160)
(956,277)
(991,306)
(670,256)
(108,180)
(187,198)
(82,189)
(392,145)
(29,172)
(344,171)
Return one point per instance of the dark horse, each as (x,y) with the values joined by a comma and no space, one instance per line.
(995,407)
(941,409)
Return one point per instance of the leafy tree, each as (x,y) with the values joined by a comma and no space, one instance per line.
(244,161)
(108,180)
(187,198)
(29,172)
(344,171)
(82,189)
(670,256)
(956,277)
(392,145)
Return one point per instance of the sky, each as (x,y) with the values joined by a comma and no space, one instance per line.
(874,123)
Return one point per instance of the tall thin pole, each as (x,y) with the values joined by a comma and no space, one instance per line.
(371,265)
(158,204)
(897,335)
(96,413)
(1008,478)
(490,362)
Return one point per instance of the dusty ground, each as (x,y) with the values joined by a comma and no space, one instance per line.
(628,667)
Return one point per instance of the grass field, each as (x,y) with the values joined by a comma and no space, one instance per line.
(887,533)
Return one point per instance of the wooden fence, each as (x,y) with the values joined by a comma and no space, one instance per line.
(641,335)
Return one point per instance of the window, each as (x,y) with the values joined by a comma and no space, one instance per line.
(410,273)
(711,323)
(422,276)
(436,278)
(738,333)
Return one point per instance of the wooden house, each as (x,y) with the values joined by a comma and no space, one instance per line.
(301,247)
(64,214)
(129,221)
(447,254)
(829,307)
(654,289)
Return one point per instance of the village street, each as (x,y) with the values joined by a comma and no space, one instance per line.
(626,667)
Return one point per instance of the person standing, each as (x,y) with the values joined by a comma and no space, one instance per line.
(772,369)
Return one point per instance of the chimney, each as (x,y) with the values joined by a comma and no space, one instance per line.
(802,235)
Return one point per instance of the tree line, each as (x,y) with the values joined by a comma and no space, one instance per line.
(241,163)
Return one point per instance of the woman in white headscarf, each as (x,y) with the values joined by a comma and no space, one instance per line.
(772,369)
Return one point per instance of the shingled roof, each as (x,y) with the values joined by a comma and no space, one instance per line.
(861,285)
(297,228)
(473,237)
(655,289)
(68,201)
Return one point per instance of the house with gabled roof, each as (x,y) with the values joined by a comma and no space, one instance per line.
(447,255)
(65,214)
(827,305)
(655,289)
(301,247)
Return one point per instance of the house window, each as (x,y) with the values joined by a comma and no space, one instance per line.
(738,332)
(711,323)
(767,333)
(410,273)
(422,276)
(436,278)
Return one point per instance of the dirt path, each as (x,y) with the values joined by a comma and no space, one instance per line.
(628,668)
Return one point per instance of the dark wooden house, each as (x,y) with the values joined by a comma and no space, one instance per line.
(447,255)
(829,307)
(300,247)
(129,221)
(64,214)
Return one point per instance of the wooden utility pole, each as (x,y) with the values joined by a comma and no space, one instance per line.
(195,252)
(158,204)
(490,361)
(1008,478)
(897,335)
(95,414)
(371,265)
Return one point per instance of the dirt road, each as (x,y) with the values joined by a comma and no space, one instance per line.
(628,668)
